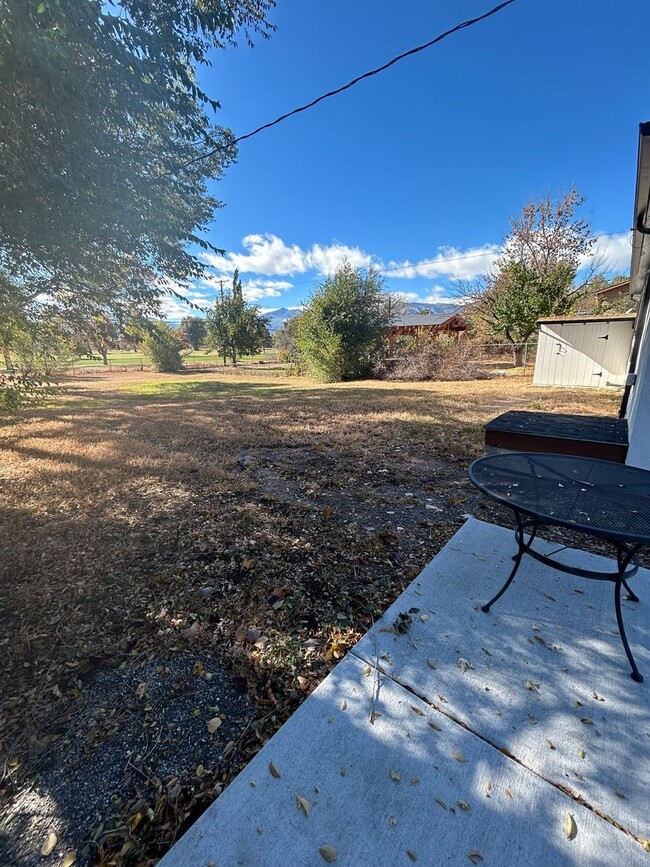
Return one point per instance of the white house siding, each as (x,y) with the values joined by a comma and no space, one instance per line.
(589,353)
(638,410)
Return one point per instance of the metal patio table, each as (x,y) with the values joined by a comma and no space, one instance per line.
(607,500)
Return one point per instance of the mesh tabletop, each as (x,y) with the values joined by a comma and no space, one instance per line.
(605,499)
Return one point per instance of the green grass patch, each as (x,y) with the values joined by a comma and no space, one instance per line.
(177,389)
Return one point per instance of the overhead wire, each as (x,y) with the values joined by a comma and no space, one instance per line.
(470,22)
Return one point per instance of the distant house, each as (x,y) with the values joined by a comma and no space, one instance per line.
(614,291)
(431,324)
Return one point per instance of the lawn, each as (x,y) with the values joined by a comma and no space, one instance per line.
(185,557)
(132,358)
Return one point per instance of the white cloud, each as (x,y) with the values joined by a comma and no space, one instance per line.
(269,255)
(615,251)
(450,261)
(255,289)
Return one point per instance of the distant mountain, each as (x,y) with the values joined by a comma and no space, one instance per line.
(277,318)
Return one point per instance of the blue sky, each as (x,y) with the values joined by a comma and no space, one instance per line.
(427,160)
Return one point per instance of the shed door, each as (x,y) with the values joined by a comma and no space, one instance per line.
(580,350)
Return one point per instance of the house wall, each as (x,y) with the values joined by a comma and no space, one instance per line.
(638,410)
(585,354)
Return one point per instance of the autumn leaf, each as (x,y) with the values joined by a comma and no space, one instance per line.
(463,805)
(417,710)
(395,777)
(570,827)
(432,664)
(475,857)
(274,771)
(586,721)
(303,804)
(213,724)
(367,671)
(50,842)
(549,744)
(343,704)
(532,686)
(412,855)
(459,756)
(328,853)
(435,726)
(70,858)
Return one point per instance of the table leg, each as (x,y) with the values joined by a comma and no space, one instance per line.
(636,674)
(624,557)
(523,547)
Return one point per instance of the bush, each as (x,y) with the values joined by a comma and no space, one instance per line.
(342,329)
(438,358)
(162,346)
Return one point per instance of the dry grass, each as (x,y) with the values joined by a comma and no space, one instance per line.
(127,496)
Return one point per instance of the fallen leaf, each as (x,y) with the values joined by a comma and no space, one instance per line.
(646,844)
(488,789)
(570,827)
(328,853)
(582,753)
(475,857)
(274,771)
(412,855)
(586,721)
(392,821)
(441,802)
(435,726)
(463,664)
(619,794)
(415,781)
(140,690)
(417,710)
(303,804)
(367,670)
(463,805)
(432,664)
(373,716)
(50,842)
(549,744)
(200,771)
(595,695)
(70,858)
(459,756)
(534,687)
(343,704)
(508,793)
(395,777)
(213,724)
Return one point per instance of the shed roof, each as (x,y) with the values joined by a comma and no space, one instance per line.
(604,317)
(419,319)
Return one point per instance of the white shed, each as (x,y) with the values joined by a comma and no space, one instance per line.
(590,351)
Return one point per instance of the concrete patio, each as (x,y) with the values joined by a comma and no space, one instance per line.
(505,738)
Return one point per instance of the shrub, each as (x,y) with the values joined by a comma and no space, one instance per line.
(162,346)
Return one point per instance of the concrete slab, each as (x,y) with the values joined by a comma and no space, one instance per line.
(543,675)
(411,786)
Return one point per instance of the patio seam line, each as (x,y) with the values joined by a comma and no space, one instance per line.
(565,791)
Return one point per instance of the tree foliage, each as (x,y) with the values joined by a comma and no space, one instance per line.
(193,330)
(236,328)
(163,346)
(344,325)
(536,274)
(104,142)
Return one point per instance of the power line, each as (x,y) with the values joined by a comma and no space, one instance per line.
(469,23)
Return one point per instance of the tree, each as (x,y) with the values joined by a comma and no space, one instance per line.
(236,328)
(100,333)
(163,347)
(193,330)
(285,341)
(344,325)
(107,145)
(535,276)
(591,302)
